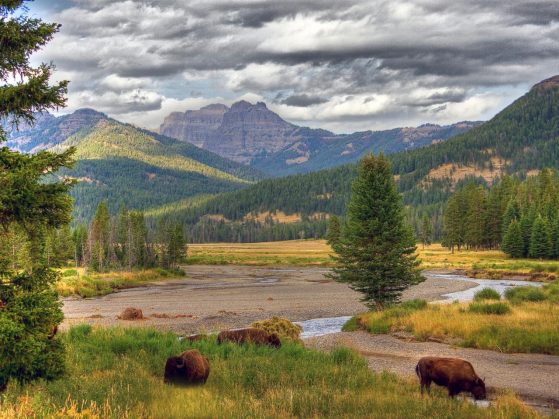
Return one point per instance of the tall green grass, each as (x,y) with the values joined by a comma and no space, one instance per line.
(117,373)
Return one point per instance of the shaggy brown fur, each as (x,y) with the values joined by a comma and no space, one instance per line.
(131,313)
(455,374)
(250,335)
(190,367)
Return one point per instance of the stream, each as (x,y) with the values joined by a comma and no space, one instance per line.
(327,325)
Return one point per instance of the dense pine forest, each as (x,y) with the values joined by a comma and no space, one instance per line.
(520,217)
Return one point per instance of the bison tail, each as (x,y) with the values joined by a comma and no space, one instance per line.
(417,370)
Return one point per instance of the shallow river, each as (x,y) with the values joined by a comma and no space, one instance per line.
(324,326)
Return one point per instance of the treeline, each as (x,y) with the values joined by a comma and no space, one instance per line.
(108,242)
(520,217)
(124,242)
(206,231)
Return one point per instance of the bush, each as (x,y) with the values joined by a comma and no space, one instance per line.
(415,304)
(487,294)
(69,272)
(284,328)
(519,294)
(493,308)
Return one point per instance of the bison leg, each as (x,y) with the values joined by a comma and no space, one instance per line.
(453,391)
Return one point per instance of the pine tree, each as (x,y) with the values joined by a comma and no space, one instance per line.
(334,231)
(541,246)
(526,222)
(29,308)
(511,213)
(513,243)
(79,241)
(426,233)
(100,238)
(376,251)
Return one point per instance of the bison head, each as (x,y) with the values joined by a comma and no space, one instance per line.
(274,340)
(174,368)
(478,389)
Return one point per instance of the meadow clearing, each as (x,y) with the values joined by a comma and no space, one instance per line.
(317,253)
(117,373)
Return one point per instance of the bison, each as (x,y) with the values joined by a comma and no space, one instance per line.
(190,367)
(250,335)
(455,374)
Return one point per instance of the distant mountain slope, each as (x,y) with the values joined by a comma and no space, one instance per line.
(48,130)
(321,152)
(521,139)
(255,135)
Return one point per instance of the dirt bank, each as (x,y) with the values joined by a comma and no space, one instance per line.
(217,297)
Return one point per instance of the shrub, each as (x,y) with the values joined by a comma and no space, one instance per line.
(487,294)
(493,308)
(415,304)
(519,294)
(284,328)
(69,272)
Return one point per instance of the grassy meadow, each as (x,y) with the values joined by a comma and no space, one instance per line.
(117,373)
(527,321)
(317,253)
(86,283)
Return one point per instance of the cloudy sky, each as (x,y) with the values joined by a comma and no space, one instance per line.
(344,65)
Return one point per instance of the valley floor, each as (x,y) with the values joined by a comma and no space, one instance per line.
(217,297)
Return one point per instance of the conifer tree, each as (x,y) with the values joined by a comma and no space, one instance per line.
(29,308)
(513,244)
(526,221)
(334,231)
(100,238)
(541,246)
(376,251)
(512,212)
(426,233)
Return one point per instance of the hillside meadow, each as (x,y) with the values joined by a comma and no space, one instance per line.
(117,373)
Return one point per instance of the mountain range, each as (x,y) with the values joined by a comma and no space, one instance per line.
(254,135)
(520,140)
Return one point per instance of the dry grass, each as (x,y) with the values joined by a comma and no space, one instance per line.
(84,283)
(529,327)
(317,253)
(293,252)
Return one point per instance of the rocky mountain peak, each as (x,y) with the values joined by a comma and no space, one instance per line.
(550,83)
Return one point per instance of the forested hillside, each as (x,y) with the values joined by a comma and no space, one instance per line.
(522,138)
(140,169)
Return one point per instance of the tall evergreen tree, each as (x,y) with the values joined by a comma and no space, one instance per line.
(29,308)
(541,246)
(513,243)
(426,233)
(376,251)
(100,238)
(334,231)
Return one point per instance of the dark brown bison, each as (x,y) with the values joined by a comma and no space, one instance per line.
(250,335)
(190,367)
(455,374)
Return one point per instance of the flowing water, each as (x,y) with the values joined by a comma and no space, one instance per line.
(324,326)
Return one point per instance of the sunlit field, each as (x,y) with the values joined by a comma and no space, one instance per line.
(527,321)
(317,253)
(87,283)
(117,373)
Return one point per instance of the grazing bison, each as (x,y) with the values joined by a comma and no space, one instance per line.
(190,367)
(250,335)
(454,374)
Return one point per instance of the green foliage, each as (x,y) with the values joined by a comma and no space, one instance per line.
(491,308)
(118,372)
(334,231)
(30,208)
(487,294)
(519,294)
(426,233)
(376,250)
(541,246)
(513,243)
